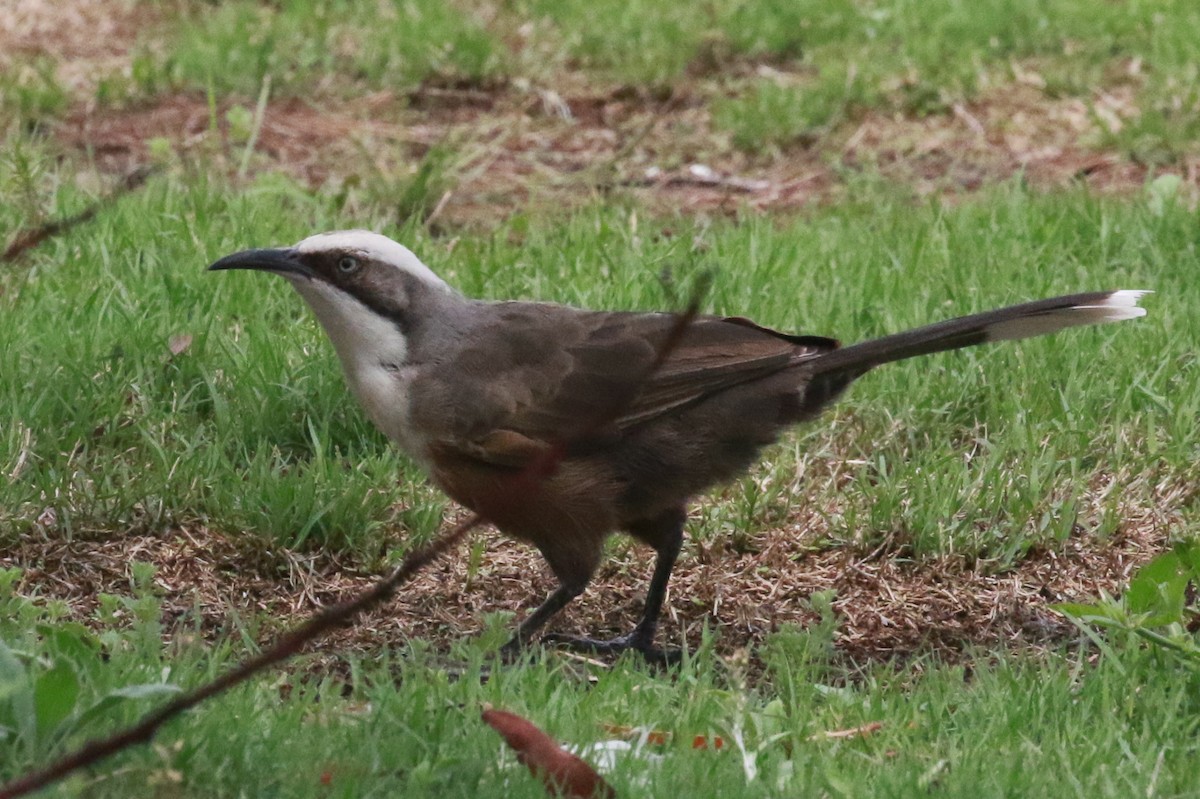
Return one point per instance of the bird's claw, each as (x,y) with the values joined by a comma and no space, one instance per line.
(615,646)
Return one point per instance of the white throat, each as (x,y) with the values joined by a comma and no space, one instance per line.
(374,355)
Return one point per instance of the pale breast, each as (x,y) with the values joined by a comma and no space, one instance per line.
(385,393)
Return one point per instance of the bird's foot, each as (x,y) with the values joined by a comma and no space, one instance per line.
(615,646)
(513,651)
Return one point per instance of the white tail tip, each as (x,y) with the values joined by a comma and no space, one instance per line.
(1116,307)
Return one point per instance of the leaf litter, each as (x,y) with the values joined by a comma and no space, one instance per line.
(886,609)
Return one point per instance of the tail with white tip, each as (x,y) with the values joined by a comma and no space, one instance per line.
(1005,324)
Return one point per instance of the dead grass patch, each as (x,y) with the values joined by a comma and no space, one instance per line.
(532,149)
(1011,130)
(514,150)
(310,144)
(86,39)
(888,608)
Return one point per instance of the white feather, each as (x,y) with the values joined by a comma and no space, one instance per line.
(373,350)
(1118,306)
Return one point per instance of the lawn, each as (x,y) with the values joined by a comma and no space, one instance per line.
(868,611)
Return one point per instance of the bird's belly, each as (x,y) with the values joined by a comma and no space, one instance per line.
(566,515)
(568,502)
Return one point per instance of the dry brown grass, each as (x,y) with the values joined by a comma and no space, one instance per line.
(86,39)
(888,608)
(515,150)
(1010,130)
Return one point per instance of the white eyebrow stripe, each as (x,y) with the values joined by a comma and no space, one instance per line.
(371,245)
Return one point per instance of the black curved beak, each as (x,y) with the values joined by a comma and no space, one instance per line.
(285,261)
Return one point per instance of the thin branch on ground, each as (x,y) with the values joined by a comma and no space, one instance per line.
(31,238)
(284,648)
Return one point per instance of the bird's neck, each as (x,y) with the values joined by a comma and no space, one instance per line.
(376,354)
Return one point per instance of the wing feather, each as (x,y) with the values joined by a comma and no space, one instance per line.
(568,371)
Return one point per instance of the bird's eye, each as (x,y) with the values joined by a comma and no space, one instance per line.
(347,264)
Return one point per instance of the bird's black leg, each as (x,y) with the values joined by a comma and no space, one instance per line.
(666,534)
(558,600)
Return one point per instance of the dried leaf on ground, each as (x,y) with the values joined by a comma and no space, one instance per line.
(563,773)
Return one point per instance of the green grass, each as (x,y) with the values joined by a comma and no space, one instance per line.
(1123,727)
(30,92)
(920,58)
(301,42)
(829,61)
(398,45)
(769,115)
(985,453)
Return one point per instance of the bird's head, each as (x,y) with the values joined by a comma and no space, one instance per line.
(367,291)
(349,269)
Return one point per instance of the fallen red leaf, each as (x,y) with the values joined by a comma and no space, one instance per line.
(563,773)
(653,737)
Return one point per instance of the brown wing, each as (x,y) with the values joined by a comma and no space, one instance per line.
(713,354)
(557,373)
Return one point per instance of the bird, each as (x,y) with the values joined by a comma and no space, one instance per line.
(561,426)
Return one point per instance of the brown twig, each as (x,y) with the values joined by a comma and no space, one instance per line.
(31,238)
(285,647)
